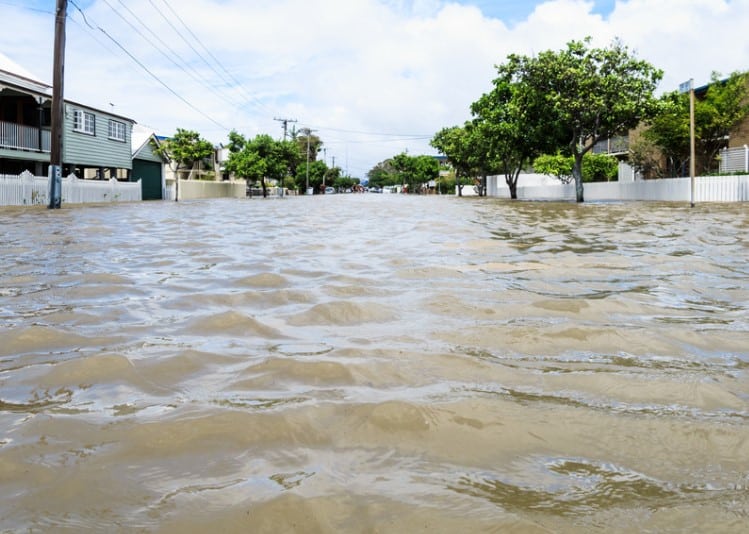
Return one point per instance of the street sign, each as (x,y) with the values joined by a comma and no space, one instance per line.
(686,86)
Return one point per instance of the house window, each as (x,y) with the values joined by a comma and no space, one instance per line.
(84,122)
(116,130)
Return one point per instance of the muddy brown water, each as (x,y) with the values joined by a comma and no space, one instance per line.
(374,363)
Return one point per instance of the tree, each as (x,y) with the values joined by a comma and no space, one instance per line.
(590,93)
(415,171)
(300,137)
(383,174)
(668,131)
(455,143)
(511,127)
(317,170)
(426,169)
(184,150)
(596,167)
(722,106)
(261,158)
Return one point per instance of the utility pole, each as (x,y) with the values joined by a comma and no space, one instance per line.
(285,123)
(58,79)
(308,133)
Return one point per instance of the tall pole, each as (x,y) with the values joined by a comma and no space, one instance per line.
(691,140)
(308,133)
(285,123)
(306,189)
(58,79)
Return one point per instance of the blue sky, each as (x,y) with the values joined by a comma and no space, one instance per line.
(509,11)
(512,11)
(373,77)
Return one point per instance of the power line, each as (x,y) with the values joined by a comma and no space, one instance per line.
(285,124)
(192,73)
(216,60)
(374,133)
(231,80)
(141,65)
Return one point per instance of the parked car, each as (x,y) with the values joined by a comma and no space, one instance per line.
(329,190)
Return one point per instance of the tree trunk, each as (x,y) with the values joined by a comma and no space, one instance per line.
(512,182)
(265,189)
(577,173)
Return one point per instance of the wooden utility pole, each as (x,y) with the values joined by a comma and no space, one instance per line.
(285,125)
(58,79)
(308,133)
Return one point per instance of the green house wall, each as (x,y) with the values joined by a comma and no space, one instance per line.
(96,150)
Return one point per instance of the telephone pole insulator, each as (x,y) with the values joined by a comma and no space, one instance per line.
(285,125)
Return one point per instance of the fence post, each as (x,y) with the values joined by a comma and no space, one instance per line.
(746,158)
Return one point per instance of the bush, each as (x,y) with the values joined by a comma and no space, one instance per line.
(596,167)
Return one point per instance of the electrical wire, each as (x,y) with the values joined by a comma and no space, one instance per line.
(222,76)
(192,72)
(142,66)
(215,61)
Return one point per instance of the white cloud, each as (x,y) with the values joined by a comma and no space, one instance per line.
(380,66)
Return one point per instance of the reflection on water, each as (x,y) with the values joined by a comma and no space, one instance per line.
(374,363)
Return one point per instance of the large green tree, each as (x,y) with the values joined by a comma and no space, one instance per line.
(184,151)
(719,108)
(383,174)
(262,158)
(511,126)
(589,93)
(458,144)
(415,171)
(317,173)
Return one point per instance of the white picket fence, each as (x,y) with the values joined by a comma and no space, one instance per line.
(707,189)
(26,189)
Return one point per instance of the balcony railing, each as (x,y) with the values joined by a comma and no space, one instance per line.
(614,145)
(20,137)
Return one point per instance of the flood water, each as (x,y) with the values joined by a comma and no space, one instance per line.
(374,363)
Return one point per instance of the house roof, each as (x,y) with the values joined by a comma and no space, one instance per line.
(16,77)
(10,66)
(140,137)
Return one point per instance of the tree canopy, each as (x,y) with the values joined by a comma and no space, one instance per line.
(589,93)
(719,108)
(185,148)
(261,158)
(555,101)
(456,144)
(511,127)
(412,172)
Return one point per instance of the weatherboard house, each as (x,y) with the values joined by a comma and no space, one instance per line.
(96,143)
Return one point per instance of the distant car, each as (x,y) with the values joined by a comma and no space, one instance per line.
(329,190)
(375,190)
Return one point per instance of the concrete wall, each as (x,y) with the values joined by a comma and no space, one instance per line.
(194,189)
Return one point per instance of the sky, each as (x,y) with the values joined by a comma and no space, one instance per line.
(371,78)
